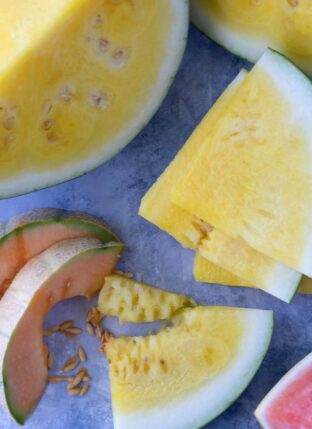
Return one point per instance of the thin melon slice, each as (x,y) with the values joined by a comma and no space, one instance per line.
(189,373)
(70,268)
(132,301)
(29,234)
(203,273)
(78,80)
(248,27)
(251,178)
(288,405)
(157,207)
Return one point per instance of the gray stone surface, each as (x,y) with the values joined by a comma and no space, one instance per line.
(114,192)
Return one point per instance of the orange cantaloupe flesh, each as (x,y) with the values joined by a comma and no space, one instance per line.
(29,234)
(25,371)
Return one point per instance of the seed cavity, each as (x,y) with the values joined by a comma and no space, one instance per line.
(10,118)
(99,99)
(47,124)
(52,137)
(67,93)
(96,21)
(119,58)
(103,45)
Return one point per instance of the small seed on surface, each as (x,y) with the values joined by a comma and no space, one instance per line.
(74,391)
(58,379)
(90,329)
(65,325)
(82,354)
(73,331)
(119,57)
(70,364)
(86,378)
(78,378)
(104,341)
(50,360)
(293,3)
(47,333)
(98,331)
(84,389)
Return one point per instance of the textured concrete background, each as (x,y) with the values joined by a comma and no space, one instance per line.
(114,192)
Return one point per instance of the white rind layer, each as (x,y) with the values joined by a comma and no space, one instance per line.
(249,47)
(283,282)
(27,282)
(296,89)
(31,181)
(194,409)
(245,46)
(285,381)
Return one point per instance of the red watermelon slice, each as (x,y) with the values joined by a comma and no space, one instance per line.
(289,404)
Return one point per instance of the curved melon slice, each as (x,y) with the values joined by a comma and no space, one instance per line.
(288,405)
(70,268)
(247,27)
(25,236)
(252,178)
(136,302)
(156,205)
(189,373)
(102,69)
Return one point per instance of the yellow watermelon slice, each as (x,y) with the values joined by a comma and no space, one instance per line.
(251,178)
(288,405)
(78,80)
(248,27)
(187,374)
(136,302)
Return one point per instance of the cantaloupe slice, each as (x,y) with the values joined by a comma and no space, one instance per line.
(132,301)
(188,373)
(248,27)
(70,268)
(288,405)
(78,80)
(252,177)
(26,235)
(156,205)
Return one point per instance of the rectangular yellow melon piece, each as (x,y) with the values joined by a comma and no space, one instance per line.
(157,207)
(206,272)
(203,273)
(251,178)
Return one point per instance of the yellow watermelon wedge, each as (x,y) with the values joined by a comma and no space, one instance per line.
(78,80)
(251,178)
(248,27)
(188,373)
(132,301)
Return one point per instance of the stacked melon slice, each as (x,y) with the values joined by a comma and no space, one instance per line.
(240,190)
(47,256)
(189,372)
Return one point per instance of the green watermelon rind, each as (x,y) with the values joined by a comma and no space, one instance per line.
(273,393)
(32,182)
(144,417)
(95,247)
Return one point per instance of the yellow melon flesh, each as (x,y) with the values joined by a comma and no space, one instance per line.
(132,301)
(247,27)
(207,272)
(252,178)
(74,76)
(157,207)
(178,375)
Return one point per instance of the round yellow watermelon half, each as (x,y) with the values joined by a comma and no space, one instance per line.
(248,27)
(288,405)
(79,82)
